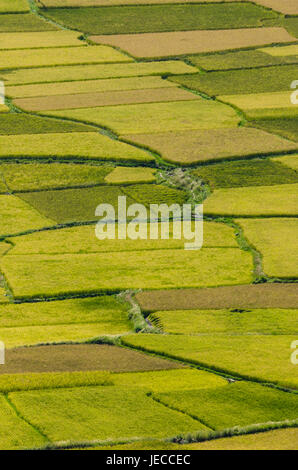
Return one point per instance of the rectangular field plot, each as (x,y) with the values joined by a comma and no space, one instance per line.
(191,42)
(73,145)
(82,240)
(100,413)
(285,127)
(25,22)
(258,357)
(39,39)
(169,380)
(243,59)
(14,6)
(276,239)
(238,404)
(52,275)
(108,98)
(258,200)
(37,176)
(235,297)
(232,321)
(238,82)
(262,105)
(67,320)
(127,175)
(16,434)
(86,87)
(72,205)
(20,123)
(60,56)
(17,216)
(152,117)
(255,172)
(146,18)
(99,71)
(189,147)
(80,357)
(283,51)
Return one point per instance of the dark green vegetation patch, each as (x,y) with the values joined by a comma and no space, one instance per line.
(24,22)
(159,18)
(19,123)
(234,82)
(256,172)
(239,60)
(72,205)
(286,127)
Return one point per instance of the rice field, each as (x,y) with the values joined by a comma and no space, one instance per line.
(62,321)
(255,172)
(227,321)
(108,98)
(244,59)
(134,342)
(235,404)
(254,201)
(81,239)
(264,358)
(169,44)
(100,413)
(151,117)
(17,216)
(262,296)
(91,86)
(32,40)
(146,18)
(238,82)
(198,146)
(38,176)
(73,205)
(276,239)
(95,71)
(14,6)
(43,57)
(57,275)
(70,146)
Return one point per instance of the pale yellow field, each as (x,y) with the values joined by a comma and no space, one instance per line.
(122,174)
(259,200)
(281,51)
(90,86)
(277,240)
(39,39)
(289,7)
(60,56)
(276,100)
(190,42)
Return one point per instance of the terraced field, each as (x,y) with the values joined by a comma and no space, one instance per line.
(135,342)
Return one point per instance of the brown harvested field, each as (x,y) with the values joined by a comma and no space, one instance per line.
(194,146)
(80,357)
(191,42)
(244,296)
(288,7)
(110,98)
